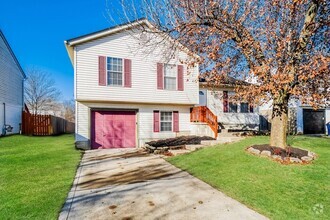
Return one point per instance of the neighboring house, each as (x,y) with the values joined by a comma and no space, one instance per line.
(309,120)
(302,119)
(231,115)
(11,89)
(125,96)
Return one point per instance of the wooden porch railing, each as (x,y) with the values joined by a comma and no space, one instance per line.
(204,114)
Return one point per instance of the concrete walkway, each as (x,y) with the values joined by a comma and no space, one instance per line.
(130,184)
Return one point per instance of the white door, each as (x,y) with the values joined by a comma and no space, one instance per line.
(203,97)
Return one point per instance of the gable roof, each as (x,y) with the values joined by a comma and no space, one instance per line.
(12,54)
(69,44)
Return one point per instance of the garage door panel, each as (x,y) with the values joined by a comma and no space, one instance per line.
(97,131)
(314,121)
(113,129)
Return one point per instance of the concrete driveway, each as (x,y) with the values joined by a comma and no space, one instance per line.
(130,184)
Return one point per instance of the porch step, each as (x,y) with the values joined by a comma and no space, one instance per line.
(193,147)
(179,152)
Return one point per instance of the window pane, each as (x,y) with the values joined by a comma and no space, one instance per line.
(170,83)
(170,70)
(115,74)
(166,121)
(166,126)
(244,107)
(170,76)
(232,107)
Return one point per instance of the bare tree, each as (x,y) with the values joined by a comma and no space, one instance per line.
(282,46)
(41,94)
(69,110)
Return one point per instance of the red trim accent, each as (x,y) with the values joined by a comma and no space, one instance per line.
(251,108)
(225,101)
(180,78)
(127,73)
(160,76)
(156,121)
(176,121)
(102,71)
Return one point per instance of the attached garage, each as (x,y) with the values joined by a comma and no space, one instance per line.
(314,121)
(113,129)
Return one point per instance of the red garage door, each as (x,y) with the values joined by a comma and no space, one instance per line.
(113,129)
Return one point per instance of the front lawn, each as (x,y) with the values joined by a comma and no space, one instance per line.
(275,190)
(35,176)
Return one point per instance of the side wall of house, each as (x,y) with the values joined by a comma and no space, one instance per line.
(144,120)
(11,90)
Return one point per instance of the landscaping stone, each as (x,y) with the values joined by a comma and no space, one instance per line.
(179,152)
(277,157)
(295,160)
(311,154)
(157,151)
(307,159)
(266,153)
(253,151)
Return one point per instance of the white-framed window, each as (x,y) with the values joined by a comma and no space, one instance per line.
(165,121)
(115,71)
(170,76)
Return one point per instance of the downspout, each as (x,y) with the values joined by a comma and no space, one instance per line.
(4,120)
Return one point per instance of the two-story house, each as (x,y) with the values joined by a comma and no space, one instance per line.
(11,89)
(126,96)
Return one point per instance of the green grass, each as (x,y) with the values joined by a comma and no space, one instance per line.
(35,176)
(275,190)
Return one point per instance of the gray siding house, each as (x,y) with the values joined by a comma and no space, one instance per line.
(11,89)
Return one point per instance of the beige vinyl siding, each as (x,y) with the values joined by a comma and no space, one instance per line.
(144,73)
(144,119)
(11,89)
(215,104)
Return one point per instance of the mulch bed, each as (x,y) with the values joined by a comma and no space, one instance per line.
(179,141)
(289,152)
(290,155)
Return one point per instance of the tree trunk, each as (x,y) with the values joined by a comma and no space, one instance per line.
(278,133)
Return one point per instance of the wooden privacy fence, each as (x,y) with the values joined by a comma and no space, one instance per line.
(42,125)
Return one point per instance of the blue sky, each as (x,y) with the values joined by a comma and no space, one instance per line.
(36,30)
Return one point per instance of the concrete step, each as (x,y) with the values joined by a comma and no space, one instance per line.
(193,147)
(179,152)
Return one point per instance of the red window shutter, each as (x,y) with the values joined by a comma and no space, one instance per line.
(180,78)
(251,108)
(156,121)
(160,76)
(225,101)
(176,121)
(102,71)
(127,73)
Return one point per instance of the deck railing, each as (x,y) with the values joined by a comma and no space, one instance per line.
(204,114)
